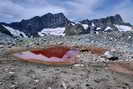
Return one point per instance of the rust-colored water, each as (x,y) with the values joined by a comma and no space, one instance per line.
(52,51)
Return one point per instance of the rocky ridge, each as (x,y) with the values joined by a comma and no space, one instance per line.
(108,24)
(58,24)
(36,24)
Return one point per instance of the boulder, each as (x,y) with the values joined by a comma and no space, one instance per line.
(76,29)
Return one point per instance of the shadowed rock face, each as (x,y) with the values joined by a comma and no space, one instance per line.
(3,30)
(74,30)
(37,23)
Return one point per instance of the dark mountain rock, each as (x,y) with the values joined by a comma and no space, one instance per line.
(86,21)
(105,24)
(36,24)
(32,26)
(74,29)
(4,30)
(117,19)
(54,20)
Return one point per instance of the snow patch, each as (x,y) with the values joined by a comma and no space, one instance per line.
(98,28)
(52,31)
(92,24)
(108,28)
(97,32)
(85,26)
(129,37)
(15,32)
(124,28)
(73,24)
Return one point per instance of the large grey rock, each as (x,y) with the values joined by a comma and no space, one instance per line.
(74,29)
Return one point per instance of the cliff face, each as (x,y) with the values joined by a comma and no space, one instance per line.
(36,24)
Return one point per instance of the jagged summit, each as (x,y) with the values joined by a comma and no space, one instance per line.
(117,19)
(36,24)
(107,24)
(58,24)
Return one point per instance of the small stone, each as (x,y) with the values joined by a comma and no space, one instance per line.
(0,83)
(64,85)
(12,86)
(49,88)
(87,85)
(36,80)
(113,58)
(108,54)
(11,72)
(102,59)
(6,69)
(78,65)
(1,46)
(112,55)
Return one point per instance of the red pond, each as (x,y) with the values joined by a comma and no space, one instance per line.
(52,55)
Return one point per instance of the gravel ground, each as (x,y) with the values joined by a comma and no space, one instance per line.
(91,73)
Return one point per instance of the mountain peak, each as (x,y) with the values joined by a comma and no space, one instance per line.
(37,23)
(118,16)
(51,14)
(32,26)
(118,19)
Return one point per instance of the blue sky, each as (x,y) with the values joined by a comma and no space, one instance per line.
(16,10)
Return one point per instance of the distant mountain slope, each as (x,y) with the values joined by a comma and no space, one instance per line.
(108,24)
(37,24)
(58,24)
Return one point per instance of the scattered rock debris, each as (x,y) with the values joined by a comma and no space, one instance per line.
(94,71)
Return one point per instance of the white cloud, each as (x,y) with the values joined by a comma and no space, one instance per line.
(125,9)
(83,8)
(12,11)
